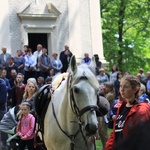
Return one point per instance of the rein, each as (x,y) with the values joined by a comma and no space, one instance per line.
(71,137)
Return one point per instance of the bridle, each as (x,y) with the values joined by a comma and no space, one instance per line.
(78,113)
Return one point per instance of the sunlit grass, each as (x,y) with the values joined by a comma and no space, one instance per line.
(98,142)
(98,145)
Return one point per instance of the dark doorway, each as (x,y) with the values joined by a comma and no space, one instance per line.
(37,38)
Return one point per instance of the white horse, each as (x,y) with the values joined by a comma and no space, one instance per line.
(70,120)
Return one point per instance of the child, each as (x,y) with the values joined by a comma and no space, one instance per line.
(26,127)
(129,114)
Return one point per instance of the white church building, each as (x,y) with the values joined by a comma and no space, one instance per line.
(52,23)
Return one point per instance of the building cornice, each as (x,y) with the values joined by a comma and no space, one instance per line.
(52,14)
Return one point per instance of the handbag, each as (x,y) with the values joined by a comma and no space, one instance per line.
(39,142)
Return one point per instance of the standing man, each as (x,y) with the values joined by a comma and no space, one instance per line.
(37,55)
(13,77)
(3,102)
(4,58)
(3,74)
(45,63)
(65,58)
(98,63)
(11,65)
(30,65)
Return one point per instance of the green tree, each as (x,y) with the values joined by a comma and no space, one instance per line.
(126,30)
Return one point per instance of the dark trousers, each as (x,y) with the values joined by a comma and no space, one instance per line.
(28,143)
(3,136)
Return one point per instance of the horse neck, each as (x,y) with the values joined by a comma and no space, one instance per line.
(67,120)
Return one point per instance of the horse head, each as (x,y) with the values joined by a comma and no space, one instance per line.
(83,95)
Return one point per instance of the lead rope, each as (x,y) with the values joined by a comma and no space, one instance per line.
(71,137)
(76,112)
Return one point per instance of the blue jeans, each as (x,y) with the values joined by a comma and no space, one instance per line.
(3,136)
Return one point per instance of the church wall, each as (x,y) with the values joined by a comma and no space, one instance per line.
(78,26)
(15,26)
(62,24)
(4,25)
(85,27)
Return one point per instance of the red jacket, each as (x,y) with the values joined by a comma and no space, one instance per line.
(138,113)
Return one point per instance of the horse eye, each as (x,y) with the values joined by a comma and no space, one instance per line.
(76,90)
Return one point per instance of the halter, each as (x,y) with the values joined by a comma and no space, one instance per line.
(74,106)
(76,110)
(78,113)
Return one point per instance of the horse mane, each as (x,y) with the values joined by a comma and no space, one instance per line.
(84,71)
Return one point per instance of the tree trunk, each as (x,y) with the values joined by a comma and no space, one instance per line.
(120,32)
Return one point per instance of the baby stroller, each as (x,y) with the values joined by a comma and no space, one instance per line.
(8,125)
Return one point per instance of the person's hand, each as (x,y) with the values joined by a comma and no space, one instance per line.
(114,117)
(148,91)
(10,100)
(31,68)
(23,137)
(67,52)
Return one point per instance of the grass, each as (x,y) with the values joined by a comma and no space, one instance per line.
(98,142)
(98,145)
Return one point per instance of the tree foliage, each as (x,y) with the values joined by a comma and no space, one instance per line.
(126,33)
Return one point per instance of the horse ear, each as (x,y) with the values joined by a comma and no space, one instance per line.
(92,65)
(73,64)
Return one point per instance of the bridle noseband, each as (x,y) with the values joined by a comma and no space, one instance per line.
(75,108)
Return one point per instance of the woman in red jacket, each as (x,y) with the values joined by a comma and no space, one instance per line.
(130,113)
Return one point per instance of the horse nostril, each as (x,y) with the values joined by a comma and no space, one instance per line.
(91,129)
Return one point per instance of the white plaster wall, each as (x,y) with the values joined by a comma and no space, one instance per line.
(74,27)
(15,26)
(96,31)
(4,26)
(85,28)
(77,26)
(62,24)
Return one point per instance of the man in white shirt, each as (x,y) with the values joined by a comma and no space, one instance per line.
(37,55)
(30,65)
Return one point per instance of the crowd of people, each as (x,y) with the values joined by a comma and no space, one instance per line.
(21,77)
